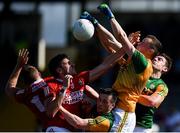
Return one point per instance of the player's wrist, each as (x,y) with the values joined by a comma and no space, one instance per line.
(62,90)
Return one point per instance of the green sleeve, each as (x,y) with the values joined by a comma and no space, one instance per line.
(140,62)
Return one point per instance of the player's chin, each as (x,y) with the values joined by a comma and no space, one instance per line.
(72,72)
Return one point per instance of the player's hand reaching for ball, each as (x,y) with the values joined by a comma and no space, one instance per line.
(22,57)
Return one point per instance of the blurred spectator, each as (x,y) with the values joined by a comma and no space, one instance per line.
(160,118)
(177,64)
(155,127)
(173,120)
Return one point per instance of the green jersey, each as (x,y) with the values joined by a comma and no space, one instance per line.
(101,123)
(144,114)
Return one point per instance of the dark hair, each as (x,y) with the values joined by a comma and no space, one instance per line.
(168,61)
(55,62)
(28,74)
(156,44)
(109,91)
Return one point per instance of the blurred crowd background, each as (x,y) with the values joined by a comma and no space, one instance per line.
(45,28)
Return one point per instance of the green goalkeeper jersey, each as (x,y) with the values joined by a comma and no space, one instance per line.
(144,114)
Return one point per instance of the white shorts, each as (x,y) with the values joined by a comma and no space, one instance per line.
(155,128)
(56,129)
(124,121)
(142,129)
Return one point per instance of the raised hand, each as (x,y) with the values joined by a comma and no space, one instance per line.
(67,80)
(134,37)
(22,57)
(104,8)
(88,16)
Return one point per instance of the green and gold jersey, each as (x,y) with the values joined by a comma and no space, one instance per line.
(131,81)
(144,114)
(101,123)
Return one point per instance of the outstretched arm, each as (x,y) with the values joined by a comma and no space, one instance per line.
(107,40)
(73,119)
(90,92)
(119,33)
(108,62)
(13,79)
(121,36)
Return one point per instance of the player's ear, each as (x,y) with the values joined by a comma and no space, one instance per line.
(113,105)
(165,69)
(59,70)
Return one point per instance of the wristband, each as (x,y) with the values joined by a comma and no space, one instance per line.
(62,90)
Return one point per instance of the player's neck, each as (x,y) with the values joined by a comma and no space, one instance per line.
(156,75)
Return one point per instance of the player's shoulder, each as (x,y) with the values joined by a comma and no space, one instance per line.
(82,74)
(48,79)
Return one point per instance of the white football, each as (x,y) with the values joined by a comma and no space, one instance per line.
(83,29)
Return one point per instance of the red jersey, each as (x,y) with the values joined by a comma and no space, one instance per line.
(73,97)
(34,97)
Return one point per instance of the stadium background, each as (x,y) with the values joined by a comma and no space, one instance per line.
(25,24)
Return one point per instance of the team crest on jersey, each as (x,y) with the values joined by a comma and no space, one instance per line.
(80,82)
(152,86)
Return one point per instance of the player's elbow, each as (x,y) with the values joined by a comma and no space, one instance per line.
(9,91)
(79,125)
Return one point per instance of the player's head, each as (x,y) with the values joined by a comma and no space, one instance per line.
(61,65)
(30,74)
(106,101)
(162,63)
(150,46)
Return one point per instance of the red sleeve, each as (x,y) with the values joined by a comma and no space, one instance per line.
(85,76)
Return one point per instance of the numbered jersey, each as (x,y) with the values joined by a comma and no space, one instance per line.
(34,97)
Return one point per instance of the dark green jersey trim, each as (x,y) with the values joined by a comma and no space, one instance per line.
(110,117)
(140,62)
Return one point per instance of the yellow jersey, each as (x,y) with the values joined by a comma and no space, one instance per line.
(101,123)
(131,81)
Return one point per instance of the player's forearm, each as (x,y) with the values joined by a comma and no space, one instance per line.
(117,30)
(53,104)
(74,120)
(147,101)
(108,62)
(12,82)
(90,92)
(121,36)
(107,39)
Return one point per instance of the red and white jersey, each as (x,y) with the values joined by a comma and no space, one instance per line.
(73,97)
(34,97)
